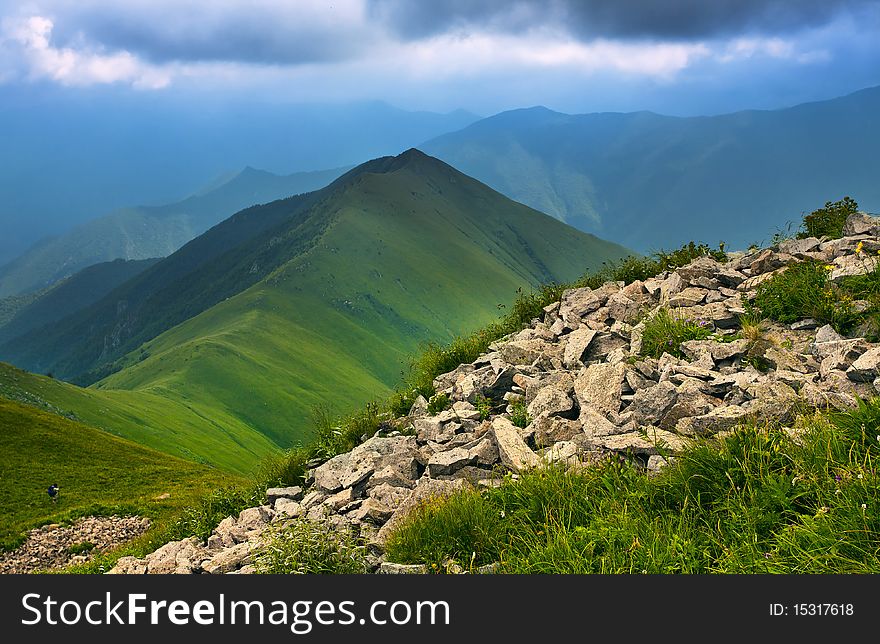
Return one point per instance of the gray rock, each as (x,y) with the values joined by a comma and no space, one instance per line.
(484,452)
(294,493)
(650,442)
(553,402)
(718,420)
(287,508)
(512,449)
(576,304)
(861,223)
(799,246)
(599,386)
(595,424)
(449,461)
(229,559)
(690,296)
(576,344)
(551,429)
(866,367)
(650,404)
(806,324)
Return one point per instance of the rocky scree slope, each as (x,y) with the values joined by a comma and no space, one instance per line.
(589,393)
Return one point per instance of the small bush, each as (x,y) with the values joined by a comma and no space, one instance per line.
(81,548)
(311,548)
(484,406)
(519,415)
(803,291)
(437,404)
(665,332)
(828,221)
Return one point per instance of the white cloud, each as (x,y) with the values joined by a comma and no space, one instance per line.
(32,38)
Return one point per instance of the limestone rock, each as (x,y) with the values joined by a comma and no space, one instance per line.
(515,454)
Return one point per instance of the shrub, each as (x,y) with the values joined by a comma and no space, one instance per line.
(311,548)
(519,415)
(828,221)
(665,332)
(804,291)
(80,548)
(483,405)
(437,404)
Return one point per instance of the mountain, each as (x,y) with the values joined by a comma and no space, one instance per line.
(144,232)
(315,299)
(68,156)
(649,181)
(71,295)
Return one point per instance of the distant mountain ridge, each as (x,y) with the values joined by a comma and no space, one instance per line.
(650,181)
(317,299)
(150,231)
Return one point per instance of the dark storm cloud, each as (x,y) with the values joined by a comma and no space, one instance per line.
(653,19)
(222,30)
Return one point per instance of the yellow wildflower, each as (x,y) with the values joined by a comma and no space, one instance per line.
(830,267)
(859,248)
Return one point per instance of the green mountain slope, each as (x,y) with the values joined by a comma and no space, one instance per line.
(650,181)
(325,305)
(71,295)
(150,231)
(92,468)
(178,427)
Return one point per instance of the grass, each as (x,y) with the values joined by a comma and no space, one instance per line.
(665,331)
(519,415)
(759,501)
(97,473)
(182,428)
(803,290)
(311,548)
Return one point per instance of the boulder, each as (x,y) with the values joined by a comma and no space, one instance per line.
(229,559)
(866,367)
(576,304)
(599,386)
(650,404)
(449,461)
(860,223)
(576,344)
(719,419)
(294,493)
(512,449)
(551,401)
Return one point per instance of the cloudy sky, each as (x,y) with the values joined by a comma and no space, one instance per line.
(673,56)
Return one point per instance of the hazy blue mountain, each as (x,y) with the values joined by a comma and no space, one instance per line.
(69,156)
(71,295)
(649,181)
(145,231)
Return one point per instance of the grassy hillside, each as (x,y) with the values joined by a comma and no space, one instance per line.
(150,231)
(322,308)
(650,181)
(96,472)
(183,428)
(71,295)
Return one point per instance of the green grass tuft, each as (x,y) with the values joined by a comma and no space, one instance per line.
(665,331)
(309,548)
